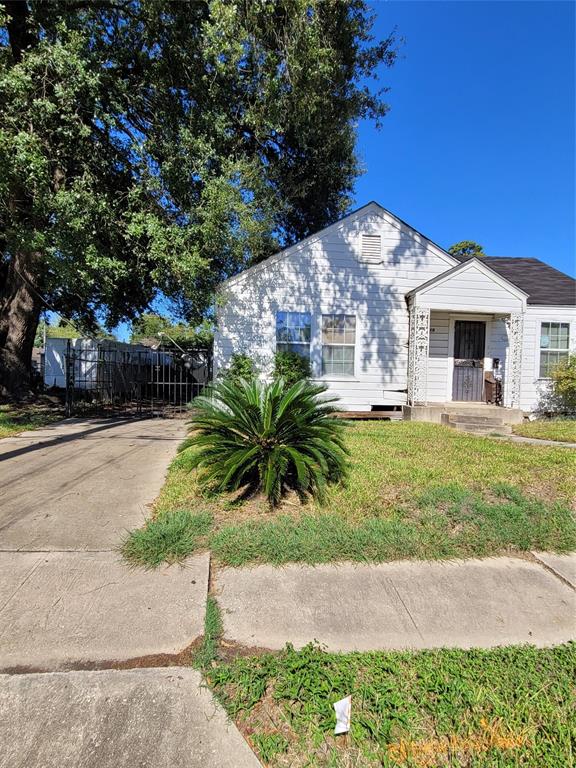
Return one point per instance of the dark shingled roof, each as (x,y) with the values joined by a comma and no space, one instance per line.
(543,284)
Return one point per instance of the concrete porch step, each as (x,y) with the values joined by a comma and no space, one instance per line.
(466,418)
(479,409)
(481,429)
(438,412)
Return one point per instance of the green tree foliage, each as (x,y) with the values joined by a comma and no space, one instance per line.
(291,367)
(40,333)
(264,437)
(467,249)
(151,327)
(151,146)
(64,329)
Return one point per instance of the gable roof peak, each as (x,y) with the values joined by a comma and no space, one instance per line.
(463,266)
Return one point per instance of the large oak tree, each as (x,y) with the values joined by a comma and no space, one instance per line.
(149,147)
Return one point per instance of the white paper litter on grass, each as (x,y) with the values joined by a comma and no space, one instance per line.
(343,709)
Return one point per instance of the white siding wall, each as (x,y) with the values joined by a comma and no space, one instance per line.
(497,345)
(55,362)
(439,357)
(533,387)
(323,276)
(471,290)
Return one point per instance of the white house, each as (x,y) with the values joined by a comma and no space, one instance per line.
(389,319)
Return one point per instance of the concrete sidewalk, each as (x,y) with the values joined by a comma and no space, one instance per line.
(76,609)
(402,605)
(538,441)
(139,718)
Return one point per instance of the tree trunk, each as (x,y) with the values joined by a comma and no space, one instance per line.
(20,304)
(20,309)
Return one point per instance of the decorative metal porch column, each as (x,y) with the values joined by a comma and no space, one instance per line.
(418,342)
(513,373)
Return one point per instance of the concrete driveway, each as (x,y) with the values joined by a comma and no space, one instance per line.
(79,485)
(68,494)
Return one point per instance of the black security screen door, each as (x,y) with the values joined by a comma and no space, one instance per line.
(469,345)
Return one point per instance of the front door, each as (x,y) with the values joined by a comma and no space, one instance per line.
(469,344)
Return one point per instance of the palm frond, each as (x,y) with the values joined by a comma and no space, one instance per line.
(268,437)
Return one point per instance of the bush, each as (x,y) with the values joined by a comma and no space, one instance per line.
(563,378)
(291,367)
(241,366)
(266,437)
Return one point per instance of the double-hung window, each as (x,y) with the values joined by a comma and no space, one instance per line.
(338,345)
(293,332)
(554,346)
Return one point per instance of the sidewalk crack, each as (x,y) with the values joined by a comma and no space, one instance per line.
(554,572)
(19,587)
(399,596)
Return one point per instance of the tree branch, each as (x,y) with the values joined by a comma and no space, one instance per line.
(19,33)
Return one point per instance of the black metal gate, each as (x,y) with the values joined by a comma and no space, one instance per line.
(104,379)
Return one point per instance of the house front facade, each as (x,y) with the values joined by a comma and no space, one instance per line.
(390,320)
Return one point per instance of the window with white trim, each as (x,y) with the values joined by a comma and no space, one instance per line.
(338,344)
(293,332)
(554,346)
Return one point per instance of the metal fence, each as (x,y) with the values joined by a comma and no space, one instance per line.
(160,382)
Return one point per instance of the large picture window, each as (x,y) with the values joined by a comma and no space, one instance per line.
(338,340)
(293,332)
(554,346)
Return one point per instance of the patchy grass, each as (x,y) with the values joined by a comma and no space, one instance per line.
(449,523)
(414,491)
(167,538)
(432,709)
(15,419)
(395,463)
(563,430)
(212,634)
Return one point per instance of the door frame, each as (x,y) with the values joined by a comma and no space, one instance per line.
(451,333)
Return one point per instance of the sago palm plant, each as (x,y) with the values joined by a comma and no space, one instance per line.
(267,437)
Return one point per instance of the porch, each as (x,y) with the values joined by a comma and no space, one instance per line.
(465,346)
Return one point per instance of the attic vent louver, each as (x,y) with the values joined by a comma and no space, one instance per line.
(371,248)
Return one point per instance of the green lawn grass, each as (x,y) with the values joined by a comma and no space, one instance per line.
(166,538)
(213,629)
(563,430)
(414,491)
(16,419)
(431,709)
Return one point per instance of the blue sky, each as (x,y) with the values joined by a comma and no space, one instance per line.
(479,142)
